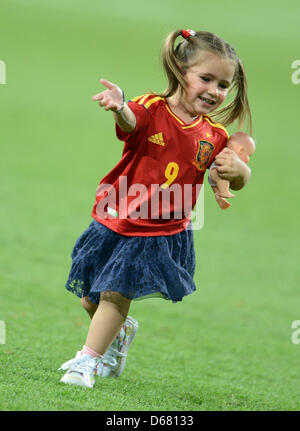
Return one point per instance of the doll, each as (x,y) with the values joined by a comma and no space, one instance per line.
(244,146)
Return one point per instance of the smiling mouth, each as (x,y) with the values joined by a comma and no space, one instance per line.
(209,101)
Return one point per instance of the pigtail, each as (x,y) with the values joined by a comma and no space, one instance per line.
(172,63)
(242,103)
(239,108)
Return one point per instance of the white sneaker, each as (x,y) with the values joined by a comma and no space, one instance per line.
(81,370)
(114,359)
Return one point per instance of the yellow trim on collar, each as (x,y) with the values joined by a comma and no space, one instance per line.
(218,125)
(155,99)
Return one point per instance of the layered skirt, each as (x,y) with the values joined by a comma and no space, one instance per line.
(137,267)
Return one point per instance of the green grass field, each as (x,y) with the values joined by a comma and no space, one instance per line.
(226,347)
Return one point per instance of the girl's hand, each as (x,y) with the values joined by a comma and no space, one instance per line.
(228,164)
(111,99)
(230,167)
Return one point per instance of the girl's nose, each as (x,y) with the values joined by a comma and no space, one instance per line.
(213,90)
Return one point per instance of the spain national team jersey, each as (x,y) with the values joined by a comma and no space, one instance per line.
(154,187)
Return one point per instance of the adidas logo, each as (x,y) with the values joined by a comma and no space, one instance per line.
(157,139)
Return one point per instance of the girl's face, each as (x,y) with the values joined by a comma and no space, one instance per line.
(208,84)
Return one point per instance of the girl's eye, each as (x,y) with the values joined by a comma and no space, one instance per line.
(204,78)
(224,86)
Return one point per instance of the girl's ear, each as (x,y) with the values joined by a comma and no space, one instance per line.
(183,70)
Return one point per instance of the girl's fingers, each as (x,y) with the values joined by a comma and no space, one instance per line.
(107,97)
(225,154)
(223,158)
(107,84)
(103,98)
(226,150)
(111,107)
(98,96)
(107,103)
(219,160)
(221,169)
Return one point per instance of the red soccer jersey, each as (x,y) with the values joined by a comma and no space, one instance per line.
(154,187)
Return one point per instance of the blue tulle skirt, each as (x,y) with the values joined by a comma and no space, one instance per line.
(135,266)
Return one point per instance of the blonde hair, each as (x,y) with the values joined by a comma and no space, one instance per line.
(176,60)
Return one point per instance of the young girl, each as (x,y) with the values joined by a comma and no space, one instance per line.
(138,246)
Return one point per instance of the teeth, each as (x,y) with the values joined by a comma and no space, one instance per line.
(207,100)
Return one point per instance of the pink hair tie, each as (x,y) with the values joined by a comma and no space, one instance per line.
(187,33)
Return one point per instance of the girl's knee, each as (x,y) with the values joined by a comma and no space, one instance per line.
(119,301)
(88,305)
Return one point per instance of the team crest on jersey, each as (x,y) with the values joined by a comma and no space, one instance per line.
(204,154)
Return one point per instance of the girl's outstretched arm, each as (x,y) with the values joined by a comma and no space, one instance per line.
(230,167)
(112,99)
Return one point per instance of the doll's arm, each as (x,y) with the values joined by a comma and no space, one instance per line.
(219,185)
(214,180)
(222,202)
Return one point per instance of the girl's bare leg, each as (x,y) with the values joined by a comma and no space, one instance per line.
(107,320)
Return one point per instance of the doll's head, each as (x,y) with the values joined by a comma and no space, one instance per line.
(242,144)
